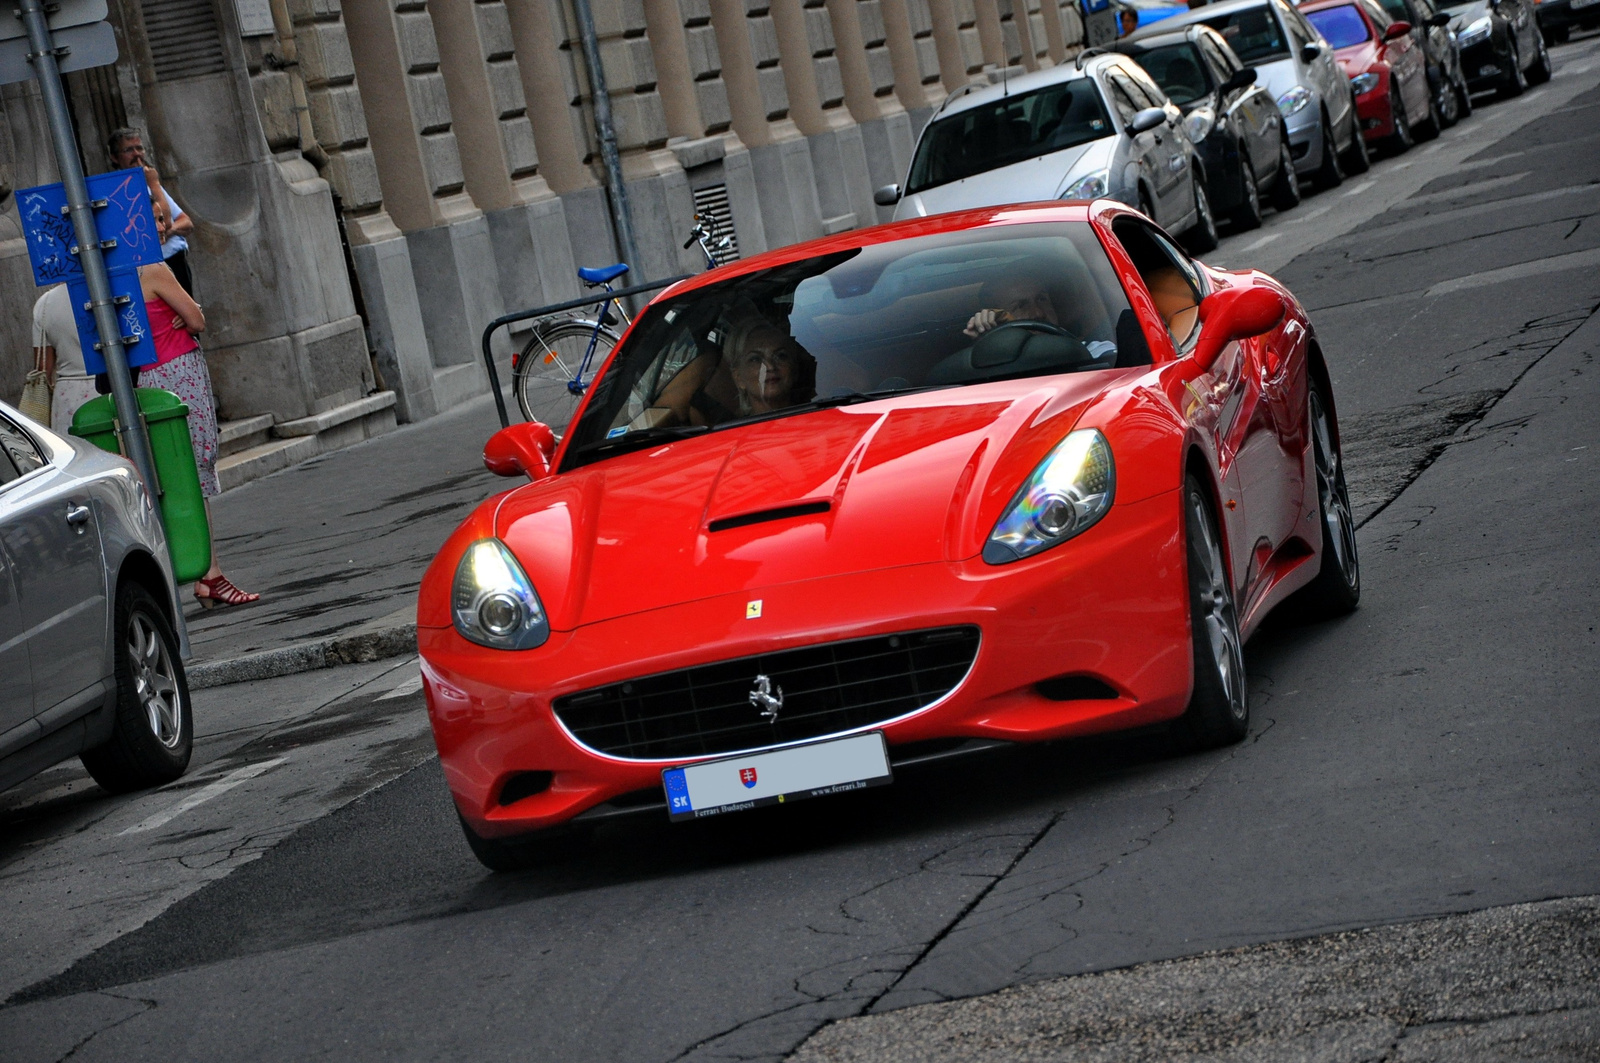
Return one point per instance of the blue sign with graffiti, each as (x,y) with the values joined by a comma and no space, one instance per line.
(126,225)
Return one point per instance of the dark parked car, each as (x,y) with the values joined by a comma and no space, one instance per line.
(1234,122)
(1557,17)
(1446,76)
(1501,46)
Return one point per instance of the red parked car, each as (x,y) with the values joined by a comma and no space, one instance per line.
(1388,70)
(1005,475)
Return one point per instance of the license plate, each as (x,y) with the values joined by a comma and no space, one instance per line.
(1583,3)
(1485,71)
(734,784)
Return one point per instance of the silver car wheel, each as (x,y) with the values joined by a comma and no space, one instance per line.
(1217,612)
(155,681)
(1333,494)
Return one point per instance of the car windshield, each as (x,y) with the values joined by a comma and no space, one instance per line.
(863,323)
(1179,70)
(1342,26)
(1253,34)
(1021,126)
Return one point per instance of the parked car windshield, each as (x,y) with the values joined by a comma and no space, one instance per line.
(1253,34)
(1020,126)
(1179,70)
(1342,26)
(861,324)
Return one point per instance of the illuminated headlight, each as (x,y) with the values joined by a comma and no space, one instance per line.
(1092,187)
(1364,83)
(1294,101)
(1198,123)
(1069,491)
(492,602)
(1477,31)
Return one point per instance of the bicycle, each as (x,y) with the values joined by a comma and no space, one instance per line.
(548,375)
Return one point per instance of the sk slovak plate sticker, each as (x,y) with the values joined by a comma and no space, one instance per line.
(817,769)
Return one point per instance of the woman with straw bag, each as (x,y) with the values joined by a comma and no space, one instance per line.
(57,356)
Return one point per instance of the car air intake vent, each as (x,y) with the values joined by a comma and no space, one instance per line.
(718,708)
(804,509)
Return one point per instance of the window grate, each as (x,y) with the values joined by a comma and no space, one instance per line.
(185,38)
(711,203)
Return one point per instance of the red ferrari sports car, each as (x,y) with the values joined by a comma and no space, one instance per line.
(1006,475)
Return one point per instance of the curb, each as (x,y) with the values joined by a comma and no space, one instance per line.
(374,641)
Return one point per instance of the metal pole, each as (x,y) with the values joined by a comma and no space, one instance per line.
(48,74)
(621,215)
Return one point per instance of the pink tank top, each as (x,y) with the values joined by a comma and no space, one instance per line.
(170,342)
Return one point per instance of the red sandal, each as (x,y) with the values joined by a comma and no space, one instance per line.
(218,589)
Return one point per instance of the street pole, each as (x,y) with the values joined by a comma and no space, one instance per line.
(130,423)
(622,216)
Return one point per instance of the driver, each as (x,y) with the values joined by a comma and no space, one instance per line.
(1011,299)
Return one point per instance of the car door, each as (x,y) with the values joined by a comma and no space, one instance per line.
(49,530)
(16,684)
(1157,150)
(1250,109)
(1407,62)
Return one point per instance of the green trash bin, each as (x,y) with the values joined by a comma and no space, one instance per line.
(183,507)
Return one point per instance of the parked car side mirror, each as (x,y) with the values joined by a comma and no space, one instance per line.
(887,196)
(1147,120)
(524,449)
(1439,21)
(1235,314)
(1397,29)
(1310,52)
(1241,79)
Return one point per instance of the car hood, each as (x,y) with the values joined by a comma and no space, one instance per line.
(1464,15)
(911,480)
(1356,59)
(1044,177)
(1278,76)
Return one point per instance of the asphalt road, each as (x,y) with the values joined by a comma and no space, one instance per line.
(305,892)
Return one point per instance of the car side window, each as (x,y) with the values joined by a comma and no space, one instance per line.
(21,450)
(1396,12)
(1173,279)
(1144,81)
(8,471)
(1217,59)
(1381,17)
(1122,97)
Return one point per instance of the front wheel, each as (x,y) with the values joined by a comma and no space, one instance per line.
(1337,587)
(1248,214)
(1356,158)
(546,375)
(1400,140)
(152,733)
(1515,81)
(1330,174)
(1431,125)
(1202,236)
(1463,96)
(1219,708)
(1541,69)
(1286,187)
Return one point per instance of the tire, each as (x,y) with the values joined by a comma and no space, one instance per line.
(1144,206)
(1463,95)
(152,733)
(1446,106)
(1337,587)
(1541,70)
(1219,708)
(540,849)
(1202,235)
(1515,82)
(1330,174)
(1248,214)
(1356,157)
(1399,142)
(1432,125)
(1286,186)
(549,361)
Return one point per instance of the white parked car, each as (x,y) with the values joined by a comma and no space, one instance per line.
(89,662)
(1097,127)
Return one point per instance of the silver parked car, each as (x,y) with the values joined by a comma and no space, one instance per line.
(1298,67)
(1097,127)
(89,662)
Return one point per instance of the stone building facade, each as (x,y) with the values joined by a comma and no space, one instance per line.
(374,180)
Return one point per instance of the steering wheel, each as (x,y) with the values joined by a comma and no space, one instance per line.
(1042,327)
(1007,343)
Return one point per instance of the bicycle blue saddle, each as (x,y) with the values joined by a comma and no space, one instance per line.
(603,274)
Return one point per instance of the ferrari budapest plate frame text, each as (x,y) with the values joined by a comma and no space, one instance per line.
(750,780)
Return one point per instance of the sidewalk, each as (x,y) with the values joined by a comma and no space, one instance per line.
(336,547)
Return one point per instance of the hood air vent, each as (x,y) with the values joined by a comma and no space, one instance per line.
(804,509)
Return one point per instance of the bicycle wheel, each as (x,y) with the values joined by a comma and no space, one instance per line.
(551,361)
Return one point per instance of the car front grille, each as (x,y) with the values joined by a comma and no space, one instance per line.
(712,708)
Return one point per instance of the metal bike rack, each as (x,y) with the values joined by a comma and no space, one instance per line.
(545,311)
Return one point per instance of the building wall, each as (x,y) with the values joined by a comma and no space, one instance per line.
(375,180)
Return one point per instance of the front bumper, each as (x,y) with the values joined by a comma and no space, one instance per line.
(1485,64)
(1111,604)
(1305,140)
(1374,111)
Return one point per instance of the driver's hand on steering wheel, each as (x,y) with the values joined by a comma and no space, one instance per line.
(984,320)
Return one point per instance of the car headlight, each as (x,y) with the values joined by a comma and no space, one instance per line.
(1475,32)
(492,602)
(1092,187)
(1069,491)
(1362,84)
(1198,123)
(1294,101)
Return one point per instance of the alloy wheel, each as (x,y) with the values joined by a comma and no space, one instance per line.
(155,681)
(1400,141)
(1217,612)
(1333,494)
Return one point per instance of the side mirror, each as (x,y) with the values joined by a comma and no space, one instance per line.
(1397,29)
(1235,314)
(1309,53)
(1241,79)
(523,449)
(1147,120)
(1439,21)
(887,196)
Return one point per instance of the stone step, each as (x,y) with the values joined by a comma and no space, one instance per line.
(264,459)
(247,432)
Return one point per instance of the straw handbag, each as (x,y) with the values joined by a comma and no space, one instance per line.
(36,396)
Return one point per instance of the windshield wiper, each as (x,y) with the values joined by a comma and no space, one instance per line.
(636,440)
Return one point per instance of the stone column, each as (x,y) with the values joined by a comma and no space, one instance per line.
(500,163)
(1055,37)
(860,39)
(758,102)
(913,57)
(419,168)
(960,47)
